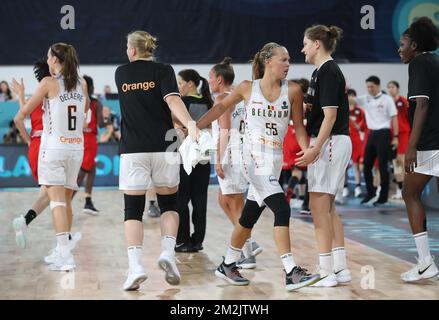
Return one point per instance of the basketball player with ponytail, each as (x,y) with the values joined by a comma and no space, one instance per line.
(62,144)
(329,152)
(229,130)
(268,102)
(193,187)
(21,223)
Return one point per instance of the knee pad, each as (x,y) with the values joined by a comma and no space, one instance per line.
(54,204)
(278,204)
(303,179)
(167,202)
(134,207)
(250,214)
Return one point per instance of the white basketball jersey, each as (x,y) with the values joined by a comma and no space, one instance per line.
(63,120)
(237,126)
(266,123)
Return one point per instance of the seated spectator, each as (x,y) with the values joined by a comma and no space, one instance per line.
(112,127)
(5,92)
(13,135)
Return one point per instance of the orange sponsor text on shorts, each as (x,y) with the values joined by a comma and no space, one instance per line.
(63,139)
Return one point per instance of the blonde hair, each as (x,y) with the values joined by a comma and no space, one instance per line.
(329,36)
(144,42)
(258,62)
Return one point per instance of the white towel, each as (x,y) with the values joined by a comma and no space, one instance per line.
(193,152)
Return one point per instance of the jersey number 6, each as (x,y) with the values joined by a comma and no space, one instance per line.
(71,118)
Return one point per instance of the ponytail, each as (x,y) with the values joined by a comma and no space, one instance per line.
(258,67)
(66,54)
(205,92)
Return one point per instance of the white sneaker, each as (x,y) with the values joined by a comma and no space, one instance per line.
(136,276)
(296,203)
(377,194)
(397,195)
(339,199)
(423,270)
(345,193)
(256,248)
(62,264)
(20,228)
(343,276)
(327,279)
(246,263)
(50,258)
(357,192)
(167,263)
(76,236)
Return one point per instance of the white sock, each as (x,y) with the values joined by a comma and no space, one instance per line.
(62,243)
(233,255)
(325,260)
(288,262)
(339,255)
(168,244)
(134,256)
(421,240)
(247,249)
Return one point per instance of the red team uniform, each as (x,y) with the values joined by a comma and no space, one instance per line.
(90,139)
(291,148)
(357,116)
(34,148)
(403,124)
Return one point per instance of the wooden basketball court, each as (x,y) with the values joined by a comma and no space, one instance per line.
(102,261)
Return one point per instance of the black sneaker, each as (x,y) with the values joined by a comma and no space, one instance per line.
(197,246)
(380,203)
(90,208)
(298,278)
(185,248)
(231,274)
(367,199)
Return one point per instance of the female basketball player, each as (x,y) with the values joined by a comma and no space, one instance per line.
(61,148)
(20,223)
(230,129)
(330,149)
(148,94)
(268,100)
(403,133)
(422,156)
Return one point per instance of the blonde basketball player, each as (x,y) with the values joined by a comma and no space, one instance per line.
(148,94)
(62,148)
(268,100)
(230,128)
